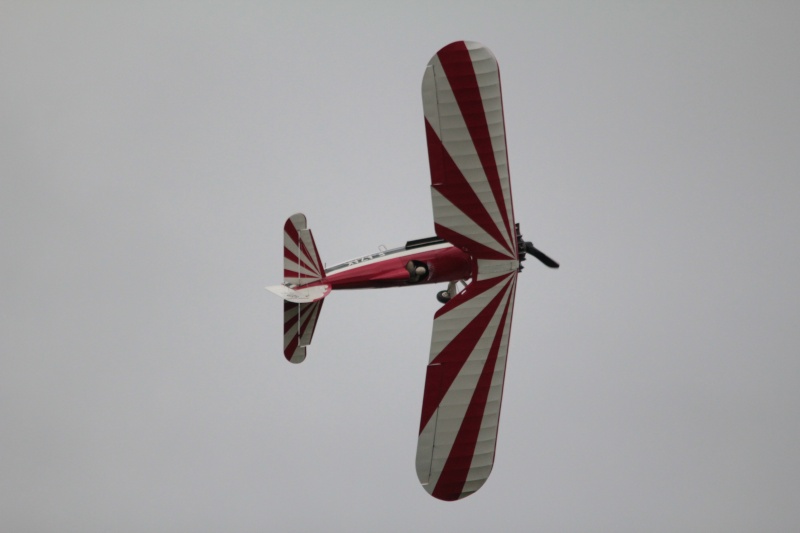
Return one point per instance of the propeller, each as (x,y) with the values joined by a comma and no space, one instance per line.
(538,254)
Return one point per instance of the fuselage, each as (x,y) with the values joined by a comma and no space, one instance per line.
(422,261)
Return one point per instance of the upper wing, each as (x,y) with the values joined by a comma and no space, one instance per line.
(464,387)
(465,129)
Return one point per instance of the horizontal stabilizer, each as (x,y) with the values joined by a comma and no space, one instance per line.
(302,295)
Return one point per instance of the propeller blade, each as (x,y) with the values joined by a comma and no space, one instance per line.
(538,254)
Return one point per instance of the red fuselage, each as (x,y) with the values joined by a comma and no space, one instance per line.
(439,260)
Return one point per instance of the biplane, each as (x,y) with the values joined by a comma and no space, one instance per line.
(477,250)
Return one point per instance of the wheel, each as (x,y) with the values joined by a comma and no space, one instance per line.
(443,296)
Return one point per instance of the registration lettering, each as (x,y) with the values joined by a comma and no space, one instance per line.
(364,259)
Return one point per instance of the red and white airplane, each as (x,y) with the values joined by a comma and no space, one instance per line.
(477,243)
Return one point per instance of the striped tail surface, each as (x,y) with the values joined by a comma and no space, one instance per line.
(299,321)
(301,266)
(301,262)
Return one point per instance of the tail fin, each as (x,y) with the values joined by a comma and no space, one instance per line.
(301,262)
(301,266)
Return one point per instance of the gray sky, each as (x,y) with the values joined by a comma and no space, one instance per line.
(151,152)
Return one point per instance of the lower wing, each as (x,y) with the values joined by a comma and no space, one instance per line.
(464,386)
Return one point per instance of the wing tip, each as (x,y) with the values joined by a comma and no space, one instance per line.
(450,493)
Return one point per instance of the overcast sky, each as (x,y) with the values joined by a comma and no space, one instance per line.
(150,153)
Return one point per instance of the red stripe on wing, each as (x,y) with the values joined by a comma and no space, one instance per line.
(448,179)
(451,481)
(458,67)
(476,288)
(473,248)
(452,358)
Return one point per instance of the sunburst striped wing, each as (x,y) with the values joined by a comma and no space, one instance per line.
(465,129)
(301,261)
(472,208)
(299,321)
(464,387)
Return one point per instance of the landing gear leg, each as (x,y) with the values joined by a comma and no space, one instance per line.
(444,296)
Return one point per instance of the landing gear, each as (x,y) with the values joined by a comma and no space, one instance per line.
(444,296)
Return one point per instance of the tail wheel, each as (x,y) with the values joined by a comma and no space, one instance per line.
(443,296)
